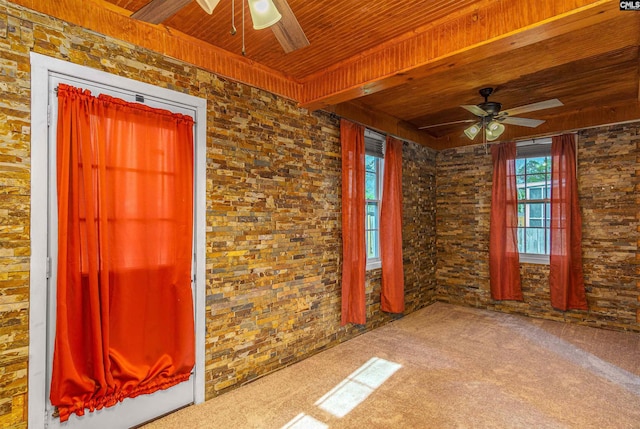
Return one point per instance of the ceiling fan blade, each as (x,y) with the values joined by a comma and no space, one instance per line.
(288,30)
(523,122)
(208,5)
(157,11)
(464,121)
(475,110)
(547,104)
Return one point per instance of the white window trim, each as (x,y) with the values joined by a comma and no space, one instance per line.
(374,264)
(533,258)
(41,68)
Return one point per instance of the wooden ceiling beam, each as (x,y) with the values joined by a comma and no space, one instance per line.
(106,18)
(495,27)
(528,74)
(382,122)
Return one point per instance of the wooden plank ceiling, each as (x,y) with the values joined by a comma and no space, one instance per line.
(403,64)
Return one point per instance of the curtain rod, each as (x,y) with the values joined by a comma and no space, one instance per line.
(577,130)
(334,115)
(543,136)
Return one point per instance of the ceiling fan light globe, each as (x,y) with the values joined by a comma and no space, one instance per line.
(494,130)
(263,13)
(208,5)
(472,131)
(491,136)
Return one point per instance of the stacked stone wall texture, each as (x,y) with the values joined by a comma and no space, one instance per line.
(273,207)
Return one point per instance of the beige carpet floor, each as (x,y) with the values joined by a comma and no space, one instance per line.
(444,367)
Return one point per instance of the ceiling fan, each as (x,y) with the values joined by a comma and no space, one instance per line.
(282,21)
(491,119)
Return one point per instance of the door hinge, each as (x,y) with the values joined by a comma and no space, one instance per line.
(48,115)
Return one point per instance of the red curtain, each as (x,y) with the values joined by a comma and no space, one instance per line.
(353,241)
(392,294)
(504,261)
(124,321)
(566,283)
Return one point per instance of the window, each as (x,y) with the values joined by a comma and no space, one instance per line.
(533,180)
(373,161)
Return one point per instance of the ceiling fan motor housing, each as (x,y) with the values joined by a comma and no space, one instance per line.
(491,107)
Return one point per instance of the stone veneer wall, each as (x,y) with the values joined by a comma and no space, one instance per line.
(608,162)
(273,212)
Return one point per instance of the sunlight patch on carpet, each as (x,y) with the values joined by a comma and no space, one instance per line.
(357,387)
(304,421)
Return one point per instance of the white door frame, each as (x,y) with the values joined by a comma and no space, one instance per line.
(41,67)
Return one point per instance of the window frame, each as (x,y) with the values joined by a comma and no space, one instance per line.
(529,149)
(374,147)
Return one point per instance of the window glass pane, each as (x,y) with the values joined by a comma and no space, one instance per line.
(536,211)
(536,170)
(535,240)
(372,244)
(372,216)
(370,163)
(371,186)
(547,219)
(373,168)
(521,214)
(520,180)
(536,165)
(536,193)
(521,240)
(522,194)
(548,241)
(537,179)
(520,166)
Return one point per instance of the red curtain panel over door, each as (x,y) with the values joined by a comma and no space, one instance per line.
(124,321)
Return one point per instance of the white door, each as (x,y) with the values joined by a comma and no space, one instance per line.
(132,411)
